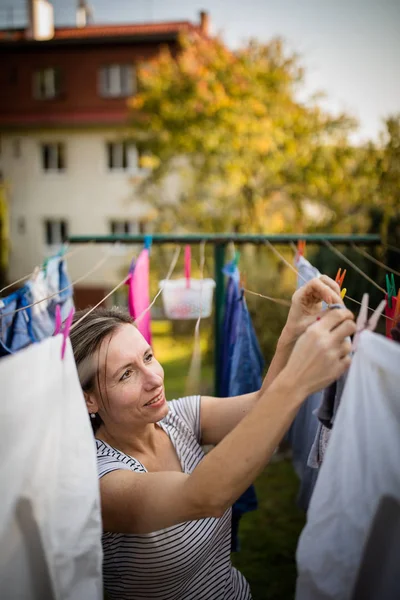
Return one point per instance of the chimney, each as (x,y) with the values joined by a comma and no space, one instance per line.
(41,20)
(83,14)
(204,22)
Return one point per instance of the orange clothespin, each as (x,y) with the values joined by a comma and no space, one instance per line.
(301,247)
(340,276)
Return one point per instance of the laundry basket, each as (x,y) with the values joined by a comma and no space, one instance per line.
(183,302)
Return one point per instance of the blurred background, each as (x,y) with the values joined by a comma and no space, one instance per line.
(179,116)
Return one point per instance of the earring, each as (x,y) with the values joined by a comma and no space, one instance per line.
(92,415)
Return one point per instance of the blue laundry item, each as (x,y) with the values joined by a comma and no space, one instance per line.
(303,430)
(241,366)
(16,330)
(42,321)
(57,280)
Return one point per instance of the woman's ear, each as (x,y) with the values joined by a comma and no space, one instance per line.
(91,402)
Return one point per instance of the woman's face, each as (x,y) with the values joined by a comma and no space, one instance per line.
(131,380)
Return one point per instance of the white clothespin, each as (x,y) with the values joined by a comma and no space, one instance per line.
(363,323)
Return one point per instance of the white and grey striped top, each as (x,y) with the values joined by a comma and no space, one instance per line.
(189,561)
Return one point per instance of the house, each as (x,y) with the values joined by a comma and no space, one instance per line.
(63,111)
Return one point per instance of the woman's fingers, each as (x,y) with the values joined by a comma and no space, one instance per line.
(344,330)
(333,296)
(332,318)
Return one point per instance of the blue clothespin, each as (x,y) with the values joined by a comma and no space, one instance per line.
(148,240)
(391,288)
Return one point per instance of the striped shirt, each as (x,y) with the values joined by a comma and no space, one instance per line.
(189,561)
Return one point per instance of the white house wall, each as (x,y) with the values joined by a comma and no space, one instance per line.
(88,195)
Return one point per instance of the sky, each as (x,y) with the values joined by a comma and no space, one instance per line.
(350,48)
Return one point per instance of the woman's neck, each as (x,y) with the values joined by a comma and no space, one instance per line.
(138,442)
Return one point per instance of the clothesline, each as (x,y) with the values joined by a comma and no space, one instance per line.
(97,266)
(374,260)
(25,277)
(173,264)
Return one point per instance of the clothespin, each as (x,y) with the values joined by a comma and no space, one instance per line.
(236,258)
(63,328)
(148,240)
(363,323)
(301,247)
(340,277)
(188,258)
(391,288)
(343,293)
(397,310)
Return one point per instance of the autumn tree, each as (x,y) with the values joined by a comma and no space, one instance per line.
(248,155)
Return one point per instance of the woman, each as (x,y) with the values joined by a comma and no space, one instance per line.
(166,506)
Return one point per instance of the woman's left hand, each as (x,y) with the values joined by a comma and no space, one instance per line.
(307,304)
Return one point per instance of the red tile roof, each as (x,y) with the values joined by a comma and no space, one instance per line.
(104,31)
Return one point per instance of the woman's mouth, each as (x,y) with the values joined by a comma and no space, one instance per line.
(157,401)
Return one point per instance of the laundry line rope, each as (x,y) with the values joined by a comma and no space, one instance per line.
(167,277)
(282,258)
(97,266)
(374,260)
(124,280)
(66,255)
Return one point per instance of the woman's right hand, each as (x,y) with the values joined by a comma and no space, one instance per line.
(322,353)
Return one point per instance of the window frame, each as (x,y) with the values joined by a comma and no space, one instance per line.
(56,231)
(53,157)
(117,80)
(46,83)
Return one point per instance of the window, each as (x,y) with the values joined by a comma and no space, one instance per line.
(117,81)
(53,157)
(56,231)
(117,155)
(46,84)
(120,227)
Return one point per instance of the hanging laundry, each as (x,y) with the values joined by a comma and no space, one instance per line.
(50,523)
(241,367)
(138,295)
(58,282)
(16,329)
(360,467)
(303,431)
(42,321)
(326,415)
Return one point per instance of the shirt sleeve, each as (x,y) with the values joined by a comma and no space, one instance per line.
(187,409)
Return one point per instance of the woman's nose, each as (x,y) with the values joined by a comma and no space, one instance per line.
(152,380)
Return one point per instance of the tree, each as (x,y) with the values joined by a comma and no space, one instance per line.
(249,156)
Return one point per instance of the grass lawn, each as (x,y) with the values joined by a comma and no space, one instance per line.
(268,535)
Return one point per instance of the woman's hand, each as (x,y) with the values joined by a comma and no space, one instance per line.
(307,304)
(322,353)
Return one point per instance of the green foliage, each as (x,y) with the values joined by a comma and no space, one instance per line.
(247,152)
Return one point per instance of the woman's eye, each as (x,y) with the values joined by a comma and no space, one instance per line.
(149,357)
(125,375)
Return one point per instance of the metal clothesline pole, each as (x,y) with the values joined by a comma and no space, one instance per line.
(219,241)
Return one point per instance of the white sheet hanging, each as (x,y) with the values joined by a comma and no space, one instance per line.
(361,464)
(50,525)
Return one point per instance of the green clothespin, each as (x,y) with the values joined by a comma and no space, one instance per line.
(236,258)
(391,288)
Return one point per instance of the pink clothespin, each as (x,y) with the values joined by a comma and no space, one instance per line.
(58,320)
(63,328)
(363,323)
(188,256)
